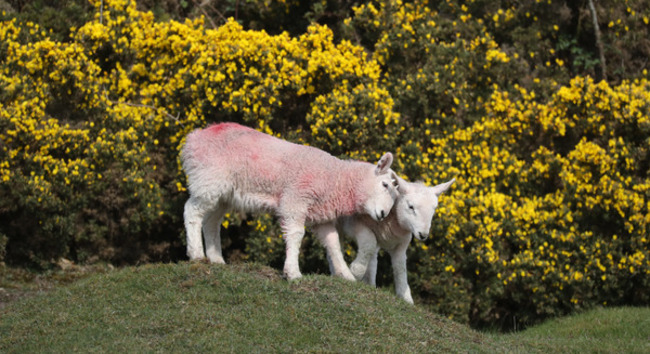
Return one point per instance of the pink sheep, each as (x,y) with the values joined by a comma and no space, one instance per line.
(230,167)
(410,217)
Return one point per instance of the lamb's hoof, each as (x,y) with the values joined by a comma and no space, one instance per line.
(195,257)
(292,275)
(408,299)
(347,276)
(358,271)
(217,260)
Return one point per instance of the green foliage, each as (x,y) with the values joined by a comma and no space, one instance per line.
(57,17)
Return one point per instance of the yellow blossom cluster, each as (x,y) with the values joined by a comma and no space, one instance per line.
(552,199)
(343,119)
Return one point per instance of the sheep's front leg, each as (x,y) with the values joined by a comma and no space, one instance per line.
(329,238)
(367,247)
(400,274)
(212,235)
(294,231)
(193,216)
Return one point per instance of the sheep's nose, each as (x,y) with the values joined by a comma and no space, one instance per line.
(383,214)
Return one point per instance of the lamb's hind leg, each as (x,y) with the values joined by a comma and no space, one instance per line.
(194,212)
(212,234)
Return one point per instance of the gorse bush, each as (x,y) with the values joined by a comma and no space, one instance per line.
(91,129)
(550,210)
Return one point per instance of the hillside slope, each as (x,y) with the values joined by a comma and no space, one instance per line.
(208,308)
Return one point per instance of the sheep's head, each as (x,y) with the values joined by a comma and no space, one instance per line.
(382,188)
(417,205)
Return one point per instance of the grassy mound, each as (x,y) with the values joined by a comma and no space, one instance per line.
(248,307)
(208,308)
(602,330)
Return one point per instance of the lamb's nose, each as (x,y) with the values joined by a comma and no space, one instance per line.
(421,235)
(383,214)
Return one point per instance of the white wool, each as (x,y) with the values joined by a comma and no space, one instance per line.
(410,217)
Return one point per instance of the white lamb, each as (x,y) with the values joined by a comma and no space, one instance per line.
(230,167)
(410,217)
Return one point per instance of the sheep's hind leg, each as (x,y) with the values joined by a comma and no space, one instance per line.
(212,234)
(193,216)
(329,238)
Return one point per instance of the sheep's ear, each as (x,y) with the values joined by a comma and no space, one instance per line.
(441,188)
(384,163)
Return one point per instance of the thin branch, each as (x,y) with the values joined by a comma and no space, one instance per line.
(599,42)
(205,13)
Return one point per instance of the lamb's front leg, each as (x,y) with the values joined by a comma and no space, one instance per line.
(400,274)
(193,215)
(367,248)
(329,238)
(370,277)
(212,235)
(294,231)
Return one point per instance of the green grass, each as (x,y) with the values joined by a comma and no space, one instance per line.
(199,307)
(611,330)
(240,308)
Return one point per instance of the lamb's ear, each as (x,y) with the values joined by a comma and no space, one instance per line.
(396,181)
(441,188)
(383,166)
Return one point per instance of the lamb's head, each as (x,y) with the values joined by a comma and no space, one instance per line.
(381,189)
(416,206)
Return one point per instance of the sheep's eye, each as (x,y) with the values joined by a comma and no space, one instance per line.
(411,207)
(385,184)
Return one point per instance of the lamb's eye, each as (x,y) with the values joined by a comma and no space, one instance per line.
(385,184)
(411,207)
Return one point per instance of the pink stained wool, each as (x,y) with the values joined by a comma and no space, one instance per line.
(230,167)
(270,168)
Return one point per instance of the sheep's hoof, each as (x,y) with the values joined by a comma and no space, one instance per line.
(217,260)
(347,276)
(196,256)
(358,271)
(292,275)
